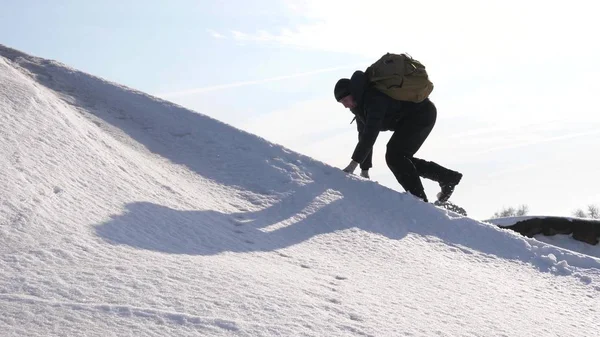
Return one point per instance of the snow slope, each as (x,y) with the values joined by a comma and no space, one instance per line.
(126,215)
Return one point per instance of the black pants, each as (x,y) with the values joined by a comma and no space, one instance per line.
(409,135)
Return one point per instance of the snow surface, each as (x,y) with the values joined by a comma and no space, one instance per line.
(126,215)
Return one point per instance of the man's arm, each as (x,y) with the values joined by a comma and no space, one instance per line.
(368,162)
(375,113)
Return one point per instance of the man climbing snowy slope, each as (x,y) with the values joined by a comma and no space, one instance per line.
(392,95)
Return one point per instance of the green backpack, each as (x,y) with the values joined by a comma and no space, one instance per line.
(401,77)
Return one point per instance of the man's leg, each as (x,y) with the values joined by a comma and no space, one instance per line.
(446,178)
(404,143)
(405,172)
(434,171)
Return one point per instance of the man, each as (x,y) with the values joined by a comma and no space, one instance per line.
(411,123)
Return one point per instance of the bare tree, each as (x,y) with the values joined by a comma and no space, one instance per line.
(511,211)
(593,212)
(523,210)
(580,214)
(505,212)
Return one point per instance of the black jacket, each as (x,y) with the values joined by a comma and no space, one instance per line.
(376,112)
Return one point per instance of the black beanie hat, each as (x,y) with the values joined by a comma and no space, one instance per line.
(342,89)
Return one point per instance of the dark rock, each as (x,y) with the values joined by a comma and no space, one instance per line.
(584,230)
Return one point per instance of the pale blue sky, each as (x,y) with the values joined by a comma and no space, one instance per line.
(515,80)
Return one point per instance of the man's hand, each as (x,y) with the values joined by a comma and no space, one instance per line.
(365,174)
(351,167)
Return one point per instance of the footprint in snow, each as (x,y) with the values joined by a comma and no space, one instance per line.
(334,301)
(356,317)
(237,221)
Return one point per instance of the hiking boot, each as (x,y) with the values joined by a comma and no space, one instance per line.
(448,187)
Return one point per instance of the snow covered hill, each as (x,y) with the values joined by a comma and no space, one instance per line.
(126,215)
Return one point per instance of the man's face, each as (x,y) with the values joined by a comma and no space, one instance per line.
(348,102)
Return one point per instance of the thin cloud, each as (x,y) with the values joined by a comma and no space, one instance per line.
(215,34)
(253,82)
(534,142)
(555,123)
(239,35)
(330,26)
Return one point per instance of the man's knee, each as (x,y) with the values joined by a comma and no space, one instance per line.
(389,159)
(397,160)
